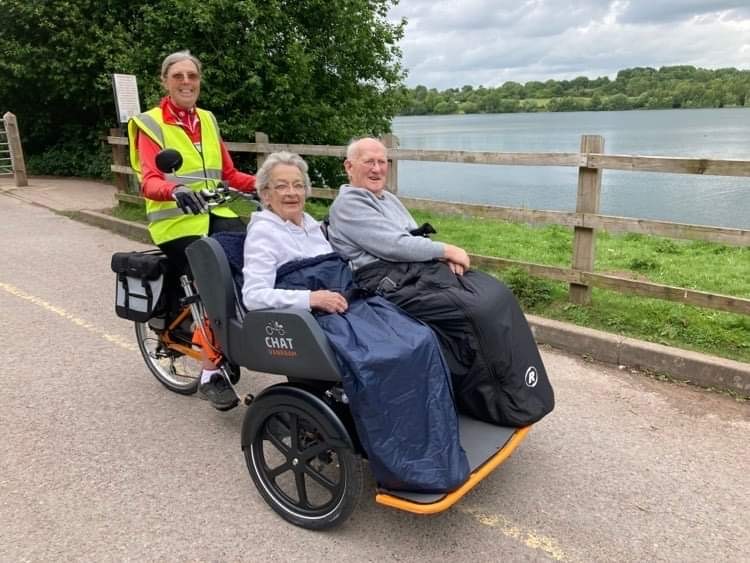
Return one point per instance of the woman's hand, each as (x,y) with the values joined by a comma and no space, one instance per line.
(328,301)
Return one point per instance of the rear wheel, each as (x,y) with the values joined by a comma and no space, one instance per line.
(306,473)
(178,372)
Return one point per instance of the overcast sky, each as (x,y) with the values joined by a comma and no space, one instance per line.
(450,43)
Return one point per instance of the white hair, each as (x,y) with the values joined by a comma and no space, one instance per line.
(263,177)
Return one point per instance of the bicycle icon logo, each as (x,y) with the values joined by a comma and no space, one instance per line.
(276,328)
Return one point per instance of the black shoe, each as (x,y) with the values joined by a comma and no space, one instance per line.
(218,392)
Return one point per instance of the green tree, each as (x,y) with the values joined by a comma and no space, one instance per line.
(445,107)
(303,71)
(596,101)
(468,107)
(512,90)
(616,102)
(535,89)
(580,86)
(54,64)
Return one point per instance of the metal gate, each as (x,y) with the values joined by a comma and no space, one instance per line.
(6,163)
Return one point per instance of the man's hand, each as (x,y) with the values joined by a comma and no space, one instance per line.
(457,259)
(328,301)
(188,200)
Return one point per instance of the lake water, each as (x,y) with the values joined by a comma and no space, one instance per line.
(683,198)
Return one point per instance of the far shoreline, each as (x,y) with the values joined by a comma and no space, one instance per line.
(464,114)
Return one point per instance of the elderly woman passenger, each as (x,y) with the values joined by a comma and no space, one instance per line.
(280,233)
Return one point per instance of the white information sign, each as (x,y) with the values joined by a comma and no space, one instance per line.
(126,96)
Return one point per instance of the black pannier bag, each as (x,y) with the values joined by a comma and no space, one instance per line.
(139,284)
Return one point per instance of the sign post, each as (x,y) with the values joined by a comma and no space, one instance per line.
(127,103)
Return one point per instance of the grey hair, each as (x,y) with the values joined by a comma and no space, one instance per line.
(263,177)
(185,55)
(352,148)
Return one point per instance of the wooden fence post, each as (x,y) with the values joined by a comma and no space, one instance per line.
(587,201)
(261,156)
(16,151)
(391,142)
(120,158)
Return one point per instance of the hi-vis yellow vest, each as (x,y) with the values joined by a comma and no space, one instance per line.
(166,220)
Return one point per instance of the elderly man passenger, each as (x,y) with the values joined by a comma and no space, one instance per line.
(497,373)
(280,233)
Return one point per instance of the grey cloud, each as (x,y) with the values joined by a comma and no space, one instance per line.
(738,14)
(665,11)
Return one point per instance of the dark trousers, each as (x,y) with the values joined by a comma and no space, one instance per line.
(175,252)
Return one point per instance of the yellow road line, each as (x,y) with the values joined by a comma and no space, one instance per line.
(509,529)
(113,338)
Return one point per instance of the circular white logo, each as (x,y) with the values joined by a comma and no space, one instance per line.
(531,377)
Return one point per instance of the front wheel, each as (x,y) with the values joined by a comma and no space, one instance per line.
(303,470)
(177,371)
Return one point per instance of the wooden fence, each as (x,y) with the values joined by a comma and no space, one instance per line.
(591,161)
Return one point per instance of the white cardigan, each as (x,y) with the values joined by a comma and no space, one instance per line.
(271,242)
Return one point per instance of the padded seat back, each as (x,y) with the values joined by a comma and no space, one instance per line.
(287,342)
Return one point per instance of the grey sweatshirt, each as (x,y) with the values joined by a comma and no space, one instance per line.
(365,227)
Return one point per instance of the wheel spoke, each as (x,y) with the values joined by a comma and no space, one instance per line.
(294,434)
(321,479)
(275,437)
(299,478)
(313,451)
(170,366)
(276,471)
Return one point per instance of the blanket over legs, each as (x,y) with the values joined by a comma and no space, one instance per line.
(396,379)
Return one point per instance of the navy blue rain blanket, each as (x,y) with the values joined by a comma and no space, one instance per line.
(397,382)
(233,244)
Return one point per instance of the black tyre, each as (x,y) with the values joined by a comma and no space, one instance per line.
(177,372)
(301,460)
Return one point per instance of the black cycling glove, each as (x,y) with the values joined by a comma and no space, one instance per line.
(188,200)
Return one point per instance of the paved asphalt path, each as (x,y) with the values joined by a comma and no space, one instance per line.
(98,462)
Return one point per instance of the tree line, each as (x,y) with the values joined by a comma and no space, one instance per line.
(303,71)
(634,88)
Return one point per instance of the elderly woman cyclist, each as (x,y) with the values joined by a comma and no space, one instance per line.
(176,212)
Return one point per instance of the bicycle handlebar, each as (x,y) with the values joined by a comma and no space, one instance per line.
(223,194)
